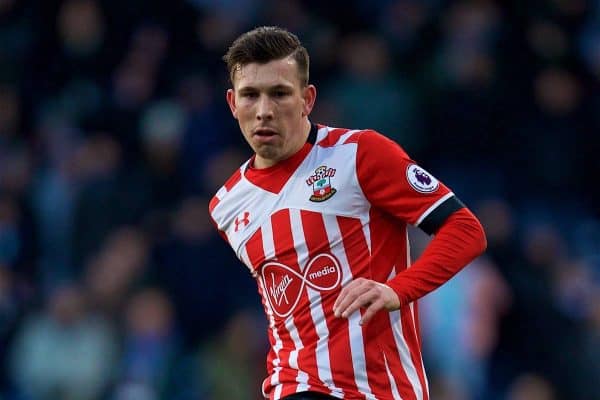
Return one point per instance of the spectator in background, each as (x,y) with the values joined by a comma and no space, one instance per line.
(192,238)
(162,127)
(467,314)
(591,350)
(11,308)
(369,93)
(200,147)
(65,352)
(11,243)
(115,270)
(531,387)
(462,83)
(53,193)
(150,347)
(10,114)
(107,184)
(235,355)
(557,113)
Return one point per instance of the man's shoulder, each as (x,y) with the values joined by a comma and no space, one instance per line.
(370,146)
(227,187)
(370,140)
(333,136)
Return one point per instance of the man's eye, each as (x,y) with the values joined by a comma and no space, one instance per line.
(280,93)
(249,95)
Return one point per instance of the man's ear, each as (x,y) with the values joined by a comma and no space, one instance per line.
(309,93)
(231,102)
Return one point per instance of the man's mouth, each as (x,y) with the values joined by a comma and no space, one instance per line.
(264,132)
(265,135)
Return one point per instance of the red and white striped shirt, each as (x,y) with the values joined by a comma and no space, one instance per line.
(335,211)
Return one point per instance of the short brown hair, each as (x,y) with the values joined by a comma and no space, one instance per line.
(264,44)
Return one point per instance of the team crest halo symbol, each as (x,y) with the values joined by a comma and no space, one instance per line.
(321,184)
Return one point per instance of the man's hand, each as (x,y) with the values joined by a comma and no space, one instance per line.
(362,292)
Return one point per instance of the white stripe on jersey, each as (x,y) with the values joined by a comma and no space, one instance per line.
(302,377)
(412,311)
(433,207)
(302,254)
(269,250)
(357,349)
(322,133)
(408,259)
(404,352)
(278,390)
(268,241)
(322,348)
(414,325)
(298,237)
(402,346)
(395,392)
(366,228)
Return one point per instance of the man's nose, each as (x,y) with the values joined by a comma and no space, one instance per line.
(264,109)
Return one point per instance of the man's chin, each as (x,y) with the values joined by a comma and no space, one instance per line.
(268,153)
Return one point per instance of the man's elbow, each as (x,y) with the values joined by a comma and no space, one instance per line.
(480,239)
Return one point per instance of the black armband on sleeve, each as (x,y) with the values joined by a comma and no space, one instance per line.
(437,217)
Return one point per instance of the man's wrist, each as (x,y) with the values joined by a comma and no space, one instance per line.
(398,301)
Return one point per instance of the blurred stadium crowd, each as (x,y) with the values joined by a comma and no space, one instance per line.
(114,133)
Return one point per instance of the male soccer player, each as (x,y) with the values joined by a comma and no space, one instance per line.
(319,217)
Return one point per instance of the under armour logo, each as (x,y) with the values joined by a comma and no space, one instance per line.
(243,219)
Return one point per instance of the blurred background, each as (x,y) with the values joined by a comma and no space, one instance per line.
(114,134)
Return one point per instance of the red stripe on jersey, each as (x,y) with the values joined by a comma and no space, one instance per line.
(213,203)
(255,249)
(332,137)
(408,330)
(394,361)
(353,138)
(340,357)
(357,252)
(235,178)
(388,244)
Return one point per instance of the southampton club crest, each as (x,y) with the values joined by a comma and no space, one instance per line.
(321,183)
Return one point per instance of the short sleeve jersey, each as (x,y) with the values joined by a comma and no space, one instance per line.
(335,211)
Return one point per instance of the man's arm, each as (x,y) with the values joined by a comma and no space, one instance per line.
(458,241)
(459,237)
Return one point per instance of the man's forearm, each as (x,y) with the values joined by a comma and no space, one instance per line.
(458,241)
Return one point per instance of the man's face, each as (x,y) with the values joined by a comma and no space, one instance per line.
(271,106)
